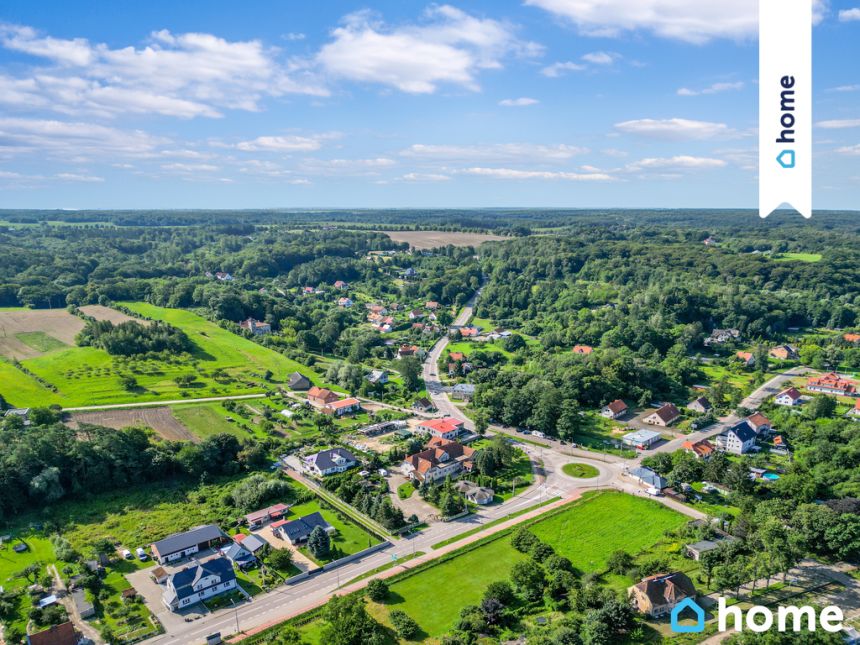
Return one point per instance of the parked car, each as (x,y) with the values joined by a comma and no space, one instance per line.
(127,554)
(141,554)
(539,435)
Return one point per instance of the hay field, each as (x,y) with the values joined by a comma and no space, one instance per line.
(27,333)
(434,239)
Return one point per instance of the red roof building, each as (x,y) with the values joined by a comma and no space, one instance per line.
(583,349)
(832,383)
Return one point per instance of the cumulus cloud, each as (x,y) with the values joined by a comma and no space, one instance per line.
(849,150)
(839,124)
(513,173)
(679,162)
(561,68)
(448,47)
(694,22)
(498,152)
(281,144)
(715,88)
(601,58)
(849,15)
(523,101)
(673,129)
(180,75)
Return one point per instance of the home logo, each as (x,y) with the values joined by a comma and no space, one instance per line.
(693,606)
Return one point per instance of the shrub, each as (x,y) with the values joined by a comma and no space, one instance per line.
(404,624)
(377,590)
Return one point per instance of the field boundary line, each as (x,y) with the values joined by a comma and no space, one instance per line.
(158,404)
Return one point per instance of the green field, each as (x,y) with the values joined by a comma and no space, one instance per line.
(40,551)
(207,419)
(798,257)
(40,341)
(90,376)
(580,471)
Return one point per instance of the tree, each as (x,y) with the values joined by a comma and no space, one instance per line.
(820,407)
(524,540)
(377,590)
(528,580)
(404,624)
(280,559)
(348,623)
(319,543)
(410,371)
(501,591)
(660,463)
(619,562)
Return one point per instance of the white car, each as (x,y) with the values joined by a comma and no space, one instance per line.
(141,554)
(127,554)
(539,435)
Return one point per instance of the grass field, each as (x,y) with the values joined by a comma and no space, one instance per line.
(40,341)
(40,551)
(434,239)
(580,471)
(207,419)
(798,257)
(223,362)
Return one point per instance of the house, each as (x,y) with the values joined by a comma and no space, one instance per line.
(410,350)
(641,439)
(298,381)
(340,408)
(256,327)
(198,582)
(21,413)
(852,338)
(780,445)
(181,545)
(474,493)
(721,336)
(469,332)
(696,549)
(62,634)
(855,411)
(700,405)
(648,477)
(658,595)
(432,305)
(377,377)
(709,241)
(379,310)
(665,415)
(614,410)
(239,556)
(344,302)
(409,273)
(275,512)
(251,543)
(321,396)
(746,358)
(457,356)
(423,405)
(223,277)
(760,423)
(783,353)
(447,428)
(789,397)
(699,449)
(159,575)
(738,440)
(340,284)
(832,383)
(327,462)
(298,531)
(416,314)
(583,349)
(463,391)
(84,607)
(441,459)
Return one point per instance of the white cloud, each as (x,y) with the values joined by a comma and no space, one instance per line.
(449,47)
(601,58)
(281,144)
(70,176)
(511,173)
(421,176)
(715,88)
(849,15)
(559,69)
(686,20)
(846,88)
(677,163)
(179,75)
(523,101)
(498,152)
(849,150)
(674,128)
(838,124)
(190,167)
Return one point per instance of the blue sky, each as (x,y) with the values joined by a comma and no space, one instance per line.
(552,103)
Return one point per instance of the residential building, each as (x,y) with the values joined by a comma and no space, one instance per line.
(738,440)
(432,305)
(239,556)
(251,543)
(696,549)
(852,338)
(84,607)
(463,391)
(447,428)
(181,545)
(343,407)
(746,358)
(344,302)
(377,309)
(832,383)
(410,350)
(665,415)
(378,377)
(658,595)
(275,512)
(416,314)
(583,349)
(648,477)
(700,405)
(299,381)
(855,411)
(423,405)
(327,462)
(474,493)
(21,413)
(256,327)
(759,423)
(321,396)
(298,531)
(223,277)
(457,357)
(340,284)
(441,459)
(199,582)
(699,449)
(641,439)
(789,397)
(614,410)
(62,634)
(783,353)
(721,336)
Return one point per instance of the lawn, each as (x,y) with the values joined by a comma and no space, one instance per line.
(350,538)
(207,419)
(224,363)
(580,471)
(404,491)
(798,257)
(40,551)
(40,341)
(127,619)
(514,478)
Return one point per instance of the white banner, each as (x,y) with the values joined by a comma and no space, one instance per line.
(785,105)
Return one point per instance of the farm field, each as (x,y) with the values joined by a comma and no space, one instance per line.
(587,532)
(100,312)
(223,362)
(160,419)
(205,419)
(435,239)
(26,333)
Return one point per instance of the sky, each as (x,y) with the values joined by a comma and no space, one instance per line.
(486,103)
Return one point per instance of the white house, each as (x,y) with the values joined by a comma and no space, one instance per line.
(789,397)
(199,582)
(327,462)
(738,440)
(614,410)
(666,415)
(447,428)
(181,545)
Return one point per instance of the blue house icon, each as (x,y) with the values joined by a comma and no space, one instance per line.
(688,603)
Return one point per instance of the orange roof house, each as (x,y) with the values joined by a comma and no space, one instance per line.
(321,396)
(582,349)
(852,338)
(701,449)
(832,383)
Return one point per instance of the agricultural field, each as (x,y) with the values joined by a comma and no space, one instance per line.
(798,257)
(162,420)
(100,312)
(434,239)
(222,362)
(206,419)
(27,333)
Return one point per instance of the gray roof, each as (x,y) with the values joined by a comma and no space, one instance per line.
(325,458)
(465,388)
(183,581)
(743,430)
(703,545)
(84,606)
(253,543)
(301,528)
(187,539)
(237,553)
(649,477)
(298,381)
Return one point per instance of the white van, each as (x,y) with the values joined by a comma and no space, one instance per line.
(127,554)
(539,435)
(141,554)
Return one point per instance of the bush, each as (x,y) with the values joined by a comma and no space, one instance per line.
(377,590)
(524,541)
(404,624)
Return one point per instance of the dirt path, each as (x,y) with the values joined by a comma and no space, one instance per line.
(71,608)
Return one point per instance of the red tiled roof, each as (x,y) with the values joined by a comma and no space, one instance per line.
(344,403)
(442,426)
(617,406)
(668,412)
(744,356)
(852,338)
(582,349)
(758,419)
(793,392)
(456,356)
(62,634)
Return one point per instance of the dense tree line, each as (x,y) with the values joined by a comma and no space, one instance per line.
(131,337)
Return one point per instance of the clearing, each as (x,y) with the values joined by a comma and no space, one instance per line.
(100,312)
(27,333)
(435,239)
(161,420)
(798,257)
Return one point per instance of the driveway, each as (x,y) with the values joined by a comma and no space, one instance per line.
(414,504)
(299,559)
(151,593)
